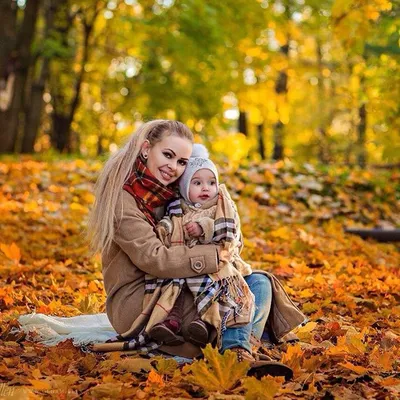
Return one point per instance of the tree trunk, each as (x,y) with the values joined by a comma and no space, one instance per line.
(281,89)
(36,102)
(323,148)
(242,123)
(362,128)
(279,127)
(10,120)
(100,149)
(277,153)
(61,131)
(34,112)
(63,119)
(261,145)
(8,34)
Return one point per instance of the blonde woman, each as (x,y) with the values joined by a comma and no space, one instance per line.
(131,194)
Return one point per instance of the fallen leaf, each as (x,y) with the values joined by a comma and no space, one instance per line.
(12,251)
(217,372)
(155,379)
(356,368)
(264,389)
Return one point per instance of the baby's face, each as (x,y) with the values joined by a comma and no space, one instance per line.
(203,186)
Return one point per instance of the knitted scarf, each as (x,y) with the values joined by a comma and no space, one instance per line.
(147,190)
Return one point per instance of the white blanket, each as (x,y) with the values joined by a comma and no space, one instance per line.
(83,329)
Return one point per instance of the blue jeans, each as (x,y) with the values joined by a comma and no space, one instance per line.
(261,287)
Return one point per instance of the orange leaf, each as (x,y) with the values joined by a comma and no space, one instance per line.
(293,357)
(154,378)
(390,381)
(12,252)
(36,373)
(92,287)
(40,385)
(356,368)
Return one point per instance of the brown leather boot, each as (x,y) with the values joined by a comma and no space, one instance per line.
(242,354)
(260,368)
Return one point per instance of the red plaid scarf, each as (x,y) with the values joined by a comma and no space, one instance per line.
(147,190)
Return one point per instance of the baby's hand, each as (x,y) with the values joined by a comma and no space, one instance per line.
(194,229)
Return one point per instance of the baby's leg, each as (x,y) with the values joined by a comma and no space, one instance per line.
(168,331)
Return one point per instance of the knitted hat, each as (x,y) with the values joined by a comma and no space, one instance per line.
(198,160)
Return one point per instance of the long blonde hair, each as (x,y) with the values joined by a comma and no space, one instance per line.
(101,225)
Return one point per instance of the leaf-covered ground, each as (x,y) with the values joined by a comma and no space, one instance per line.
(293,219)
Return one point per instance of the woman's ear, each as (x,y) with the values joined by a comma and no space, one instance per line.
(145,149)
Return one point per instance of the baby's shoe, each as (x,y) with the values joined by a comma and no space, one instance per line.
(199,332)
(167,332)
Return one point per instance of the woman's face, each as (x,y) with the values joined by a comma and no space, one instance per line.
(167,159)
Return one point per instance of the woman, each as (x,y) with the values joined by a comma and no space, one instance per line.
(135,185)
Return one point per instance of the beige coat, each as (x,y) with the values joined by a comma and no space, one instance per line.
(136,244)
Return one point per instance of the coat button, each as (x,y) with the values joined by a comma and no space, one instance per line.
(198,264)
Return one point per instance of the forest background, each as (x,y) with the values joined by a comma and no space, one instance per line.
(307,79)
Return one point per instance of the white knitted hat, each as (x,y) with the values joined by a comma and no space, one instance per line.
(198,160)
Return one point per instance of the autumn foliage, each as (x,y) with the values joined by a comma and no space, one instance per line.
(293,219)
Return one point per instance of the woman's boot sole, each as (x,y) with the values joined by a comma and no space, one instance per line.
(259,369)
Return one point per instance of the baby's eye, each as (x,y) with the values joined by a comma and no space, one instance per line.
(196,183)
(212,183)
(167,155)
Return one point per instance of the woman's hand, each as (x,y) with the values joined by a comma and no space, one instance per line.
(194,229)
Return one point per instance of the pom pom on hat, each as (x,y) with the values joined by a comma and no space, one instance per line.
(198,160)
(199,150)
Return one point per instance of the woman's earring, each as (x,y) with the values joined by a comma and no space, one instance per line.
(145,156)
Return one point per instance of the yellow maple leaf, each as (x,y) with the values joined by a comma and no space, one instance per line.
(304,332)
(293,357)
(218,372)
(281,233)
(264,389)
(354,342)
(78,207)
(166,366)
(307,293)
(12,252)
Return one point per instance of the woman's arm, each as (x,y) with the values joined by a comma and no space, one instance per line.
(136,238)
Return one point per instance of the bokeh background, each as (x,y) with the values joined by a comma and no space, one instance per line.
(309,80)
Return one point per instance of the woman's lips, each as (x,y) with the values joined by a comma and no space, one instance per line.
(165,175)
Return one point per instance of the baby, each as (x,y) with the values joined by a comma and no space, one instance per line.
(205,214)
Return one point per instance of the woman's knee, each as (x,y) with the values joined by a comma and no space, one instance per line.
(259,282)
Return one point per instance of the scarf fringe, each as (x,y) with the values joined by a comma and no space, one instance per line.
(231,290)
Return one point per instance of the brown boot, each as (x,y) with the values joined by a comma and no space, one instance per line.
(167,332)
(199,332)
(260,368)
(242,354)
